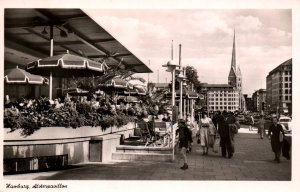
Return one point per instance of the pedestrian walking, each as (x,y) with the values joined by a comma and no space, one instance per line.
(190,126)
(185,138)
(261,126)
(276,135)
(227,129)
(197,118)
(251,123)
(207,132)
(215,118)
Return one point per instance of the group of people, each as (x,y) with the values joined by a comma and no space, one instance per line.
(222,126)
(275,134)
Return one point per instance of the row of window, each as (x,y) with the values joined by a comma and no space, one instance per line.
(287,72)
(287,85)
(222,92)
(286,98)
(223,95)
(286,91)
(221,99)
(286,79)
(223,108)
(225,103)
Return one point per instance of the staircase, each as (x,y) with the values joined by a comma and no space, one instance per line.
(142,153)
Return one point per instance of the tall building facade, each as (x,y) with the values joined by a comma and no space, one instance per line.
(279,88)
(259,100)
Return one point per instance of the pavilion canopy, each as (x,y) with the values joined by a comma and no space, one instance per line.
(27,38)
(115,84)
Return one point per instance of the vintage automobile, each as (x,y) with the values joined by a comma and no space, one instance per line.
(241,119)
(286,123)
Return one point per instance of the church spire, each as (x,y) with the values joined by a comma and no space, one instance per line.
(233,61)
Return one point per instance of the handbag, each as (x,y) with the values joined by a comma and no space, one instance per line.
(238,125)
(216,144)
(280,137)
(198,141)
(212,129)
(233,128)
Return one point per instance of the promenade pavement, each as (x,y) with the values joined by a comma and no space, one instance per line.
(252,161)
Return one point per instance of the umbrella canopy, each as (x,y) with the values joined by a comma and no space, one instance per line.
(127,92)
(66,65)
(140,90)
(115,84)
(20,76)
(76,92)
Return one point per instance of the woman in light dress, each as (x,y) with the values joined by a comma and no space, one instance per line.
(207,132)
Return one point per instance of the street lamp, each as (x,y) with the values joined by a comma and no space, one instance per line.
(181,79)
(171,67)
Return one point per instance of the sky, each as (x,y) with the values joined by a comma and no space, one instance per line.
(263,40)
(146,28)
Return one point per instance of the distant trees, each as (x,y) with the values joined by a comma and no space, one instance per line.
(192,76)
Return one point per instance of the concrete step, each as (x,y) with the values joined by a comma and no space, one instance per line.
(142,156)
(143,149)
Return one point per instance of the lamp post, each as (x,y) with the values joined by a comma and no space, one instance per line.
(171,67)
(192,104)
(181,79)
(184,100)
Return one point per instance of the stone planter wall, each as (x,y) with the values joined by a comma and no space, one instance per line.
(52,147)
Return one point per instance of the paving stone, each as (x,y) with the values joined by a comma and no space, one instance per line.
(252,161)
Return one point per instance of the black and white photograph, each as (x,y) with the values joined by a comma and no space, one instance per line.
(141,96)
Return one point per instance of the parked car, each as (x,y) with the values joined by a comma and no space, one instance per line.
(241,119)
(247,120)
(256,119)
(287,123)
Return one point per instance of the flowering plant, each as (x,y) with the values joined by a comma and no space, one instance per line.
(30,119)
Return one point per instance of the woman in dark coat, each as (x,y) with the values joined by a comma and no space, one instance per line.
(274,132)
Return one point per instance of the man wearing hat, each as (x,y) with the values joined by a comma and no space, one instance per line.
(185,137)
(226,122)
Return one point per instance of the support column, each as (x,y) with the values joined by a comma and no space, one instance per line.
(188,106)
(51,54)
(184,108)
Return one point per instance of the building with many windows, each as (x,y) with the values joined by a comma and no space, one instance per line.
(259,100)
(220,97)
(279,88)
